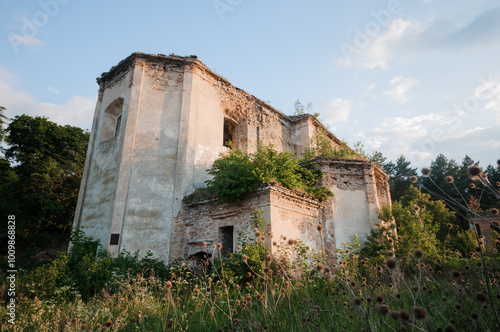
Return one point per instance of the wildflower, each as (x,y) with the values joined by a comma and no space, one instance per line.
(474,171)
(450,328)
(481,297)
(474,315)
(395,315)
(416,208)
(413,179)
(274,243)
(494,211)
(219,246)
(418,253)
(204,243)
(391,263)
(290,242)
(319,267)
(390,253)
(419,312)
(211,313)
(472,186)
(320,227)
(449,179)
(404,315)
(450,226)
(168,284)
(380,299)
(244,258)
(426,172)
(257,233)
(455,274)
(383,310)
(328,270)
(108,323)
(269,258)
(358,301)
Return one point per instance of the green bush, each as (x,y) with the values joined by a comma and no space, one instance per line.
(236,174)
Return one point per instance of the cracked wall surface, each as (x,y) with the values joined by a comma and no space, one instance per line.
(144,158)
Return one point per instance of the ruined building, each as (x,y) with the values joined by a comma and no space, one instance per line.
(160,122)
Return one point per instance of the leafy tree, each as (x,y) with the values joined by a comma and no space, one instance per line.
(378,158)
(48,164)
(399,174)
(423,224)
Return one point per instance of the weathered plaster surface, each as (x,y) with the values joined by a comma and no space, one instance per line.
(169,132)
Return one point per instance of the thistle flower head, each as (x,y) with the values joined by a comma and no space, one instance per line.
(416,208)
(449,179)
(474,171)
(450,328)
(404,315)
(418,253)
(413,179)
(391,263)
(481,297)
(383,310)
(494,211)
(472,186)
(395,315)
(219,246)
(419,312)
(426,172)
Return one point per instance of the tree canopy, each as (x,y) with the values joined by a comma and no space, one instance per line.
(41,174)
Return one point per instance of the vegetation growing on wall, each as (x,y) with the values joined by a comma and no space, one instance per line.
(236,174)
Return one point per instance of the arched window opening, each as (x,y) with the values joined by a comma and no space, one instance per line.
(111,120)
(201,260)
(229,133)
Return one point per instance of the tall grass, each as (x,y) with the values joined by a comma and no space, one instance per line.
(251,290)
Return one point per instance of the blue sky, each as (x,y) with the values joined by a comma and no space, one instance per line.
(416,77)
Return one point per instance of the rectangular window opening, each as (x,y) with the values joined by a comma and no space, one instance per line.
(226,238)
(115,238)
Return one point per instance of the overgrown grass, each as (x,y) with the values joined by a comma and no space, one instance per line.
(252,290)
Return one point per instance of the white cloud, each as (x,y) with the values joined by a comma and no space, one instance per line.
(401,87)
(52,89)
(335,110)
(78,111)
(372,52)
